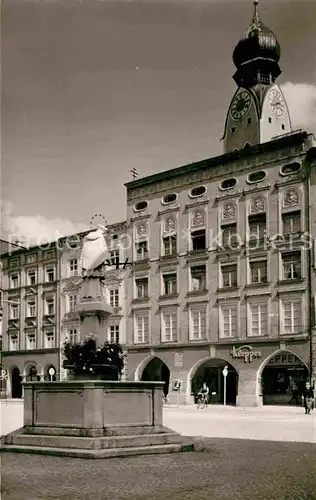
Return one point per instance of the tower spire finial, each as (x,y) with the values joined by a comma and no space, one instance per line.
(256,12)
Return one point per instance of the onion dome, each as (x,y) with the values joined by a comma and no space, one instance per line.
(257,54)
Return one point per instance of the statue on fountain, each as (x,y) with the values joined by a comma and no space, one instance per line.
(92,263)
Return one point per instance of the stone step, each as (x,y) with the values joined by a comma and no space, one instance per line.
(105,453)
(96,432)
(93,443)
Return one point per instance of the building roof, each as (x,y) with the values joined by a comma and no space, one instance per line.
(289,139)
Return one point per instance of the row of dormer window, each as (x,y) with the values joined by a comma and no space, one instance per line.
(226,184)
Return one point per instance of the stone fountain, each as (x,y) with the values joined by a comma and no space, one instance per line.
(93,418)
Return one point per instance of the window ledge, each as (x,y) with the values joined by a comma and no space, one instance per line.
(139,300)
(233,288)
(140,262)
(198,341)
(169,296)
(195,253)
(169,342)
(291,281)
(169,257)
(260,284)
(194,293)
(293,336)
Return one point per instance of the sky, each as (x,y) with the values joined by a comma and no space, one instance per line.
(93,88)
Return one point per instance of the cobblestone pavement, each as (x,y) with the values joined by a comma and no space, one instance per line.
(266,423)
(225,469)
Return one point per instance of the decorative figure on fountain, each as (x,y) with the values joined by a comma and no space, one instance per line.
(92,259)
(92,301)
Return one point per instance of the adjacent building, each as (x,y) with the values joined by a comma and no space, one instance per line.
(30,315)
(39,288)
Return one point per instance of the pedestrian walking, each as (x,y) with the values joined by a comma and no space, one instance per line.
(308,397)
(295,392)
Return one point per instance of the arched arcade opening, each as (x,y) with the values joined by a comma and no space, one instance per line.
(16,383)
(31,374)
(283,379)
(211,372)
(156,370)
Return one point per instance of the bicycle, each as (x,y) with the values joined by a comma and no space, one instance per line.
(201,401)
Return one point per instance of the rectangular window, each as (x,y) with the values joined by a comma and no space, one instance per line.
(292,265)
(292,316)
(198,278)
(73,267)
(170,245)
(169,284)
(31,308)
(50,274)
(141,328)
(49,255)
(73,336)
(31,277)
(141,250)
(30,341)
(141,288)
(114,297)
(169,326)
(49,340)
(257,227)
(31,258)
(292,222)
(50,306)
(13,343)
(229,235)
(259,319)
(258,271)
(198,240)
(229,275)
(198,323)
(114,334)
(14,281)
(72,303)
(14,263)
(114,257)
(14,311)
(229,322)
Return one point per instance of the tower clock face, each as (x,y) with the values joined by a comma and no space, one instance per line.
(276,102)
(241,105)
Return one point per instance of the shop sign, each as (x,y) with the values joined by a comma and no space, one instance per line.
(285,359)
(245,352)
(178,360)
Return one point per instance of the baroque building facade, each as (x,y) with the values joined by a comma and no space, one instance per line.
(223,267)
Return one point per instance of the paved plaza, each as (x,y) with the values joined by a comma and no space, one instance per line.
(261,467)
(270,423)
(225,470)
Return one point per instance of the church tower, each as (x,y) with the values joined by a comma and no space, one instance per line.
(258,111)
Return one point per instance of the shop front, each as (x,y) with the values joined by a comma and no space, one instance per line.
(283,380)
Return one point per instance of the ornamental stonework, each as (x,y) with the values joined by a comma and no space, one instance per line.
(257,205)
(198,218)
(169,225)
(141,230)
(229,211)
(291,198)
